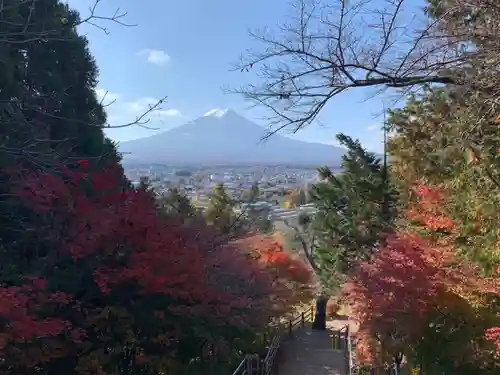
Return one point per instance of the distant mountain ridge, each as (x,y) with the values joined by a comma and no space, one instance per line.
(223,137)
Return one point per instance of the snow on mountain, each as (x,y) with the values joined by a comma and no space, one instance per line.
(222,136)
(216,112)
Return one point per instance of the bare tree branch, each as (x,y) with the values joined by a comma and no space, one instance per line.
(306,248)
(93,17)
(26,30)
(328,49)
(20,28)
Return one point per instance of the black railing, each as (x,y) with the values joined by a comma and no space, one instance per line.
(253,364)
(355,369)
(376,370)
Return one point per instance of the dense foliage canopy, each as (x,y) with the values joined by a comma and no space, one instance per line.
(415,240)
(110,274)
(99,277)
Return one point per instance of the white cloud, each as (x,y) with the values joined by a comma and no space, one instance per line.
(373,127)
(171,113)
(155,56)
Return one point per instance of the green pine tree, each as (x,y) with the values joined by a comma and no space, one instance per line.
(48,109)
(48,84)
(144,183)
(355,208)
(220,213)
(176,203)
(259,218)
(252,194)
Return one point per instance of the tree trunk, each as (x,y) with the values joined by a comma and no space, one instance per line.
(319,322)
(397,363)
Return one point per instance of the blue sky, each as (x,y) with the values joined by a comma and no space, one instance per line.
(185,50)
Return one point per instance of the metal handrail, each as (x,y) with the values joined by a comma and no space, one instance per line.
(268,363)
(348,351)
(385,369)
(241,367)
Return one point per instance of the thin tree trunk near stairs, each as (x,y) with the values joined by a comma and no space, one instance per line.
(319,322)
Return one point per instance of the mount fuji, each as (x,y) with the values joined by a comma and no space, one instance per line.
(221,137)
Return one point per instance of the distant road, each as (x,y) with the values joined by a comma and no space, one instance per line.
(281,213)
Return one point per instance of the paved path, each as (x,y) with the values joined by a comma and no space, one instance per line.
(311,353)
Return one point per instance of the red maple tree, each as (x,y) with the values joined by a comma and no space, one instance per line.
(493,334)
(411,278)
(182,278)
(291,276)
(391,294)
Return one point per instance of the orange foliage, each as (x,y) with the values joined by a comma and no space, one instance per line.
(292,276)
(391,294)
(429,210)
(136,278)
(409,277)
(332,308)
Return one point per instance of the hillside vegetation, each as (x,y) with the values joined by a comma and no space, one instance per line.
(410,241)
(99,277)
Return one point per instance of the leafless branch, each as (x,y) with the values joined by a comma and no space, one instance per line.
(306,248)
(22,30)
(328,49)
(92,18)
(31,109)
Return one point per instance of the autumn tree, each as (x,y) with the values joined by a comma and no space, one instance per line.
(448,136)
(48,104)
(292,276)
(298,197)
(493,334)
(416,292)
(393,309)
(114,287)
(435,141)
(429,147)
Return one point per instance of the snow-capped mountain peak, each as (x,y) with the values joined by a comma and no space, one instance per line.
(223,136)
(216,112)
